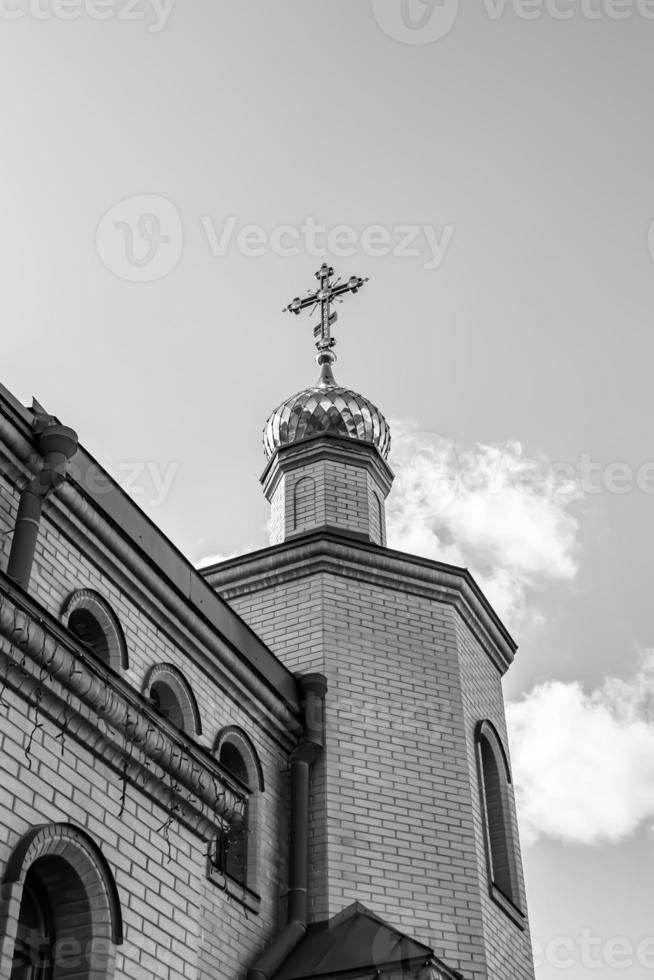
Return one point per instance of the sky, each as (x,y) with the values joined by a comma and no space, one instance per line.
(172,174)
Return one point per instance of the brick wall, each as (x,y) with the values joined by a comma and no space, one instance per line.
(177,921)
(342,487)
(508,948)
(396,817)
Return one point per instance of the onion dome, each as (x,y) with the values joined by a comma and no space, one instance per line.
(326,409)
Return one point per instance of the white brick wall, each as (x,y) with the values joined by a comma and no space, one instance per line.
(177,922)
(341,488)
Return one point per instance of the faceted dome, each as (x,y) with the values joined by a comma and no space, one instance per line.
(326,408)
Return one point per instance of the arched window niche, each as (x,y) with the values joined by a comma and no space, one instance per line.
(501,841)
(235,853)
(379,504)
(92,620)
(171,696)
(59,908)
(304,503)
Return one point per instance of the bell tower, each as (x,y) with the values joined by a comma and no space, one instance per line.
(412,806)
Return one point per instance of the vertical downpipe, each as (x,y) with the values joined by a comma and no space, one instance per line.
(313,688)
(57,444)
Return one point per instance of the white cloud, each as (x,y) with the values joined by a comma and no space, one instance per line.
(217,558)
(583,764)
(490,508)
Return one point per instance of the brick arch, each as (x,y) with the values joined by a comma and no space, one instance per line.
(487,730)
(494,784)
(232,735)
(98,610)
(172,680)
(82,892)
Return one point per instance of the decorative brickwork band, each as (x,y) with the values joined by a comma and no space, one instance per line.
(110,698)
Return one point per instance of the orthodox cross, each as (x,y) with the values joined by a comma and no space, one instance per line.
(324,296)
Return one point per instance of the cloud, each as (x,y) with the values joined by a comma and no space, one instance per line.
(490,508)
(583,764)
(217,558)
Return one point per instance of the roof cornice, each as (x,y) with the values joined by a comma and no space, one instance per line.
(340,554)
(326,445)
(96,500)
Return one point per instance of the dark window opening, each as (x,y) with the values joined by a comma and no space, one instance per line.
(35,939)
(231,851)
(87,629)
(230,855)
(166,702)
(232,760)
(498,821)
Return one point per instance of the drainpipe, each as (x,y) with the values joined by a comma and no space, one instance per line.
(313,687)
(57,444)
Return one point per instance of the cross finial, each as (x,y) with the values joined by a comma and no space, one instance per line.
(324,296)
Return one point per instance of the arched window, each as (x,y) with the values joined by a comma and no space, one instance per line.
(68,918)
(94,623)
(495,782)
(378,522)
(304,503)
(233,842)
(235,853)
(171,696)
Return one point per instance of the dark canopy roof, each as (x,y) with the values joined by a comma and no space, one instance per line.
(357,943)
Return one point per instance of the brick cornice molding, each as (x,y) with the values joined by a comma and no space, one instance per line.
(131,729)
(325,552)
(326,447)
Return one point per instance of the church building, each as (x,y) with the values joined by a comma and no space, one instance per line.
(289,765)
